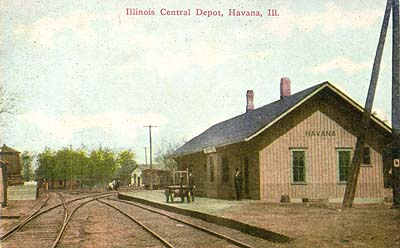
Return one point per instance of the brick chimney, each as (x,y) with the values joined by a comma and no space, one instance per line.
(250,103)
(285,87)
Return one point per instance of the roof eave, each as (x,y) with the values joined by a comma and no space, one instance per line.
(202,149)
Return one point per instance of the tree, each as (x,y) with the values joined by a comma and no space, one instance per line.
(27,170)
(126,163)
(46,170)
(6,107)
(164,152)
(6,101)
(91,168)
(109,164)
(101,166)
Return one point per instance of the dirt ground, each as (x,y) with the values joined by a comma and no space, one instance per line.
(17,211)
(308,225)
(325,226)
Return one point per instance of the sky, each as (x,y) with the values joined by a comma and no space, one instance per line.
(85,73)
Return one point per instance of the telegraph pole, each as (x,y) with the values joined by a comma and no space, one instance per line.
(145,154)
(395,149)
(358,152)
(151,158)
(70,163)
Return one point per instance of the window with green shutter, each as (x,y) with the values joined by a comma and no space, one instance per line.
(344,164)
(298,166)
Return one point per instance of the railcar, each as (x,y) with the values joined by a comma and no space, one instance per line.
(160,178)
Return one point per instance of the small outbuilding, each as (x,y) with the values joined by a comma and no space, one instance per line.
(137,176)
(14,167)
(298,148)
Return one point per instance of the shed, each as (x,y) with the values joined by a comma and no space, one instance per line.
(14,167)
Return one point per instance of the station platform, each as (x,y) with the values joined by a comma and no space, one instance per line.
(218,211)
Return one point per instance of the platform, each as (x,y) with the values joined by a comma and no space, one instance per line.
(208,209)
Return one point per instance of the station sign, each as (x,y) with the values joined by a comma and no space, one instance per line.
(320,133)
(210,149)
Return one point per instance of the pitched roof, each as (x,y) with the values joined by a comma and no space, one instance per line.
(6,149)
(246,126)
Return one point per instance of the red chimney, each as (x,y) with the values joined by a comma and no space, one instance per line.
(285,87)
(250,104)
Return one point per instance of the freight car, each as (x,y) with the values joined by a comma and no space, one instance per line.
(160,178)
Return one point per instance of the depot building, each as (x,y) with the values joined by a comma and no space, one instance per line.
(299,148)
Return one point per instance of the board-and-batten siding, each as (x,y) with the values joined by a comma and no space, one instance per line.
(321,166)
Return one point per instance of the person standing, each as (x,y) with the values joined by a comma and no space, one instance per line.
(238,180)
(192,186)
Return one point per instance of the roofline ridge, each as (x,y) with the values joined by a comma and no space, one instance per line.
(317,86)
(320,87)
(276,101)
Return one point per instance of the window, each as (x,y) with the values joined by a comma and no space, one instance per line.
(225,170)
(298,166)
(344,165)
(211,169)
(366,156)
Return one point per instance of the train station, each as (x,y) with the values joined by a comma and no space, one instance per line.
(296,149)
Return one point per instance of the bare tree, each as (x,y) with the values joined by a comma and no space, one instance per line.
(6,102)
(164,152)
(6,108)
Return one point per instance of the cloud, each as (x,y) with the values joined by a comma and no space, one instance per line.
(119,125)
(2,5)
(259,55)
(340,63)
(329,20)
(43,31)
(169,59)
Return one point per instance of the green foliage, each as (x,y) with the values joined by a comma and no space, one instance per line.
(83,168)
(126,163)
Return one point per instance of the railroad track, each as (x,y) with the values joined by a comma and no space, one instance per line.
(13,229)
(45,228)
(154,225)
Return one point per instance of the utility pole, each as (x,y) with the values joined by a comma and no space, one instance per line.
(151,158)
(358,152)
(70,163)
(145,154)
(395,146)
(46,170)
